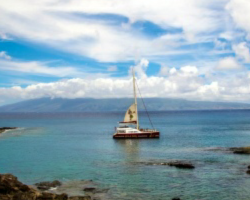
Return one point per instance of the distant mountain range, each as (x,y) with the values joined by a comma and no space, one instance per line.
(119,104)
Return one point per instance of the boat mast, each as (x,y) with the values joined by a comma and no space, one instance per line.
(137,123)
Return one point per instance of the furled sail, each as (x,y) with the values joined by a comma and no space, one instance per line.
(131,115)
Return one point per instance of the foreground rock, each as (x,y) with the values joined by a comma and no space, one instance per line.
(2,129)
(248,170)
(240,150)
(48,185)
(12,189)
(89,189)
(95,190)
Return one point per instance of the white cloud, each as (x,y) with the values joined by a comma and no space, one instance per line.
(3,36)
(35,67)
(140,68)
(189,70)
(239,10)
(164,71)
(219,44)
(228,63)
(242,51)
(172,70)
(4,55)
(192,16)
(112,68)
(58,27)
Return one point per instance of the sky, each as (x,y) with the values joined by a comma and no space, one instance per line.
(189,49)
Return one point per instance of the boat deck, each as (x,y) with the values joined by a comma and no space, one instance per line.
(145,133)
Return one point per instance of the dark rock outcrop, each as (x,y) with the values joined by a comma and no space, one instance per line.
(2,129)
(80,198)
(240,150)
(248,171)
(89,189)
(181,165)
(7,128)
(176,198)
(49,196)
(48,185)
(177,164)
(12,189)
(95,190)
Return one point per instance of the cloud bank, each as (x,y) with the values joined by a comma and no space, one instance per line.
(185,82)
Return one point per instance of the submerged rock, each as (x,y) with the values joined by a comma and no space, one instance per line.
(240,150)
(80,198)
(178,164)
(12,189)
(48,185)
(181,165)
(95,190)
(83,188)
(49,196)
(248,171)
(2,129)
(7,128)
(89,189)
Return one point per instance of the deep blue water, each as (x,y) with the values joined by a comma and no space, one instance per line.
(74,146)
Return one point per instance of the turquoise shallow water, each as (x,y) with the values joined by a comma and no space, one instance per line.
(75,146)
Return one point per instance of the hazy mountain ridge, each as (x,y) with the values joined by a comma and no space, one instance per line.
(119,104)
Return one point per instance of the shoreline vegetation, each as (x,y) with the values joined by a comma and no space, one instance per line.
(3,129)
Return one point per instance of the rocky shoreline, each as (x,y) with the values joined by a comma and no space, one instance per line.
(2,129)
(12,189)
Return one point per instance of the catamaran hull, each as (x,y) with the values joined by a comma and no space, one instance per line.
(136,135)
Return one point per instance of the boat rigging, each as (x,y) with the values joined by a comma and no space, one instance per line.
(131,118)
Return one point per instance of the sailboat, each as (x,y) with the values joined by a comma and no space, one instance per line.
(129,127)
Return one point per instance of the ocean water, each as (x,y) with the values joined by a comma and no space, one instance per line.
(79,146)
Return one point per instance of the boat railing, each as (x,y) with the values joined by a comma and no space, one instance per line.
(148,130)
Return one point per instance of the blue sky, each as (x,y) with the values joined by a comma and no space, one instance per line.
(188,49)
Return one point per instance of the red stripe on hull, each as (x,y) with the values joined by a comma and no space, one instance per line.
(137,135)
